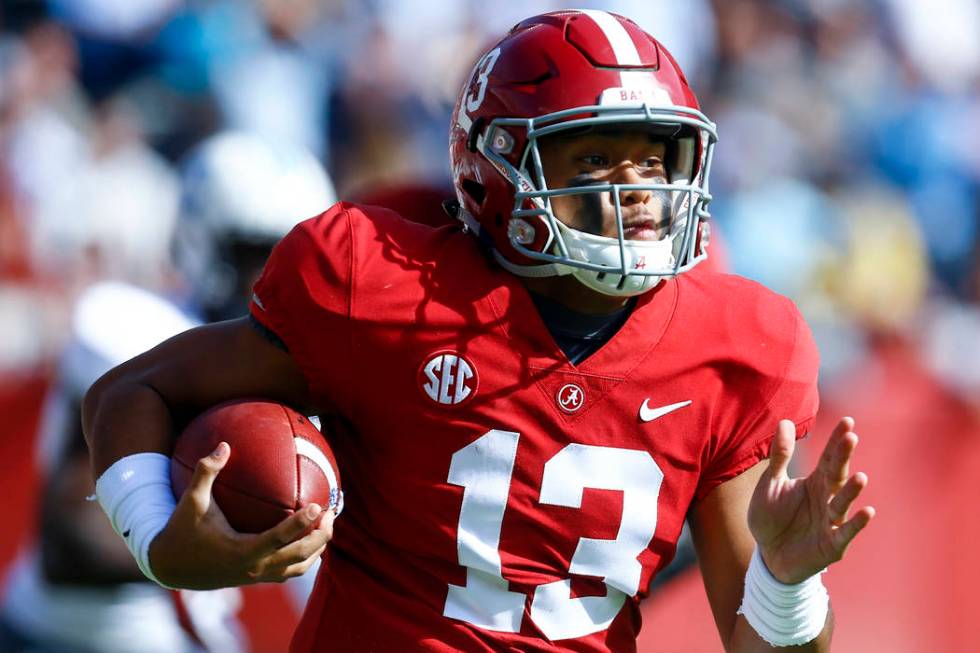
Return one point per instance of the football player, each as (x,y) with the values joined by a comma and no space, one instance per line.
(532,402)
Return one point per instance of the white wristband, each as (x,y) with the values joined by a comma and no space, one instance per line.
(135,493)
(783,615)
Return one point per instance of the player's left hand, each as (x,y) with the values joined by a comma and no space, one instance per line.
(800,524)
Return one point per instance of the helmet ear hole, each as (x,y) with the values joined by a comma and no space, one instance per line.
(475,190)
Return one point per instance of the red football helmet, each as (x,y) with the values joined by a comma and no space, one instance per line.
(565,71)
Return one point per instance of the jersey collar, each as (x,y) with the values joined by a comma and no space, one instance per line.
(522,324)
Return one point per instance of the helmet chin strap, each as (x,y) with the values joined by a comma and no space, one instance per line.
(537,271)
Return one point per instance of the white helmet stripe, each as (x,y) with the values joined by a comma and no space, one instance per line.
(620,40)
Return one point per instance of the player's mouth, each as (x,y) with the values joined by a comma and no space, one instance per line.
(643,229)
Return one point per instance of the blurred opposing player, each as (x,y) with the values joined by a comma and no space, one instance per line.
(241,194)
(534,404)
(80,590)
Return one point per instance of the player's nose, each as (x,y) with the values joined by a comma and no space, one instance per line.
(626,173)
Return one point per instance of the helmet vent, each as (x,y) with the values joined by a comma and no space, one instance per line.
(475,190)
(529,84)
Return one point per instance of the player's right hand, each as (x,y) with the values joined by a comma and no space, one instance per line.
(198,549)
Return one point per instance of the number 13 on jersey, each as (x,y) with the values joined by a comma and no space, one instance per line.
(484,469)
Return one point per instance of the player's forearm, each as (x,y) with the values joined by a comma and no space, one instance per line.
(745,640)
(123,416)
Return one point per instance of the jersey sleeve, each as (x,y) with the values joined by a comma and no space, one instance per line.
(789,391)
(304,297)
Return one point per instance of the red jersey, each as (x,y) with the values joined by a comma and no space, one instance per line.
(498,497)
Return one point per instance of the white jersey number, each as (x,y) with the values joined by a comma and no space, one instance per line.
(484,468)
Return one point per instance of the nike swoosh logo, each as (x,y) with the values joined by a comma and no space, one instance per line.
(648,414)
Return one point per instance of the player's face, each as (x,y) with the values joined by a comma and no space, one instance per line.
(621,156)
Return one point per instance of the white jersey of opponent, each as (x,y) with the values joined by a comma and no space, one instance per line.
(112,323)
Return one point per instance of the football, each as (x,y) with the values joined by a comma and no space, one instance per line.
(279,462)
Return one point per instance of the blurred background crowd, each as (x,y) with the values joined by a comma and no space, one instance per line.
(847,177)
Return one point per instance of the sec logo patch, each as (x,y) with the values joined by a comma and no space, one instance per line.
(448,378)
(570,398)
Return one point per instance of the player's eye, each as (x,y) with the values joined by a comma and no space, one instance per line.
(594,160)
(653,167)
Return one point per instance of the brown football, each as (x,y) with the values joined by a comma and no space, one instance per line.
(279,462)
